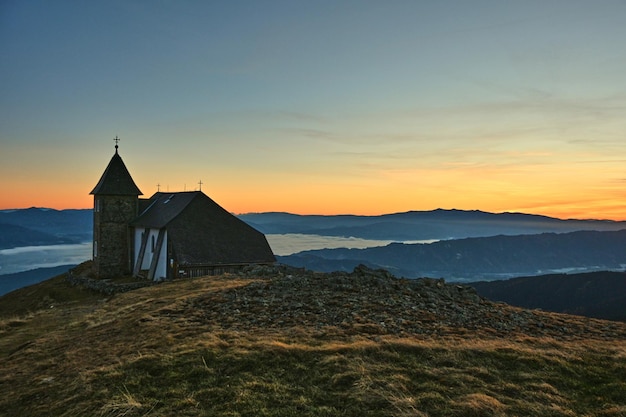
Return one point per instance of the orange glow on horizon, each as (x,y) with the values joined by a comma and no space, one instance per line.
(569,193)
(338,202)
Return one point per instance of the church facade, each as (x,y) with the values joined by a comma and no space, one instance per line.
(169,235)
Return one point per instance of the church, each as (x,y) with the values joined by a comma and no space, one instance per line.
(169,235)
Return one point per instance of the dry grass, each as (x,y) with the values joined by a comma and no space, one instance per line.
(134,355)
(122,405)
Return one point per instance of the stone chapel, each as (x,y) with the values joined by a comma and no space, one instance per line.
(169,235)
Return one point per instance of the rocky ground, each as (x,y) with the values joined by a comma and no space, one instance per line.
(374,302)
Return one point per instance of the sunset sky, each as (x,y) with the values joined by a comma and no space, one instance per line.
(319,107)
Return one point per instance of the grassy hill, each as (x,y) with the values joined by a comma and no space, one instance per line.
(284,342)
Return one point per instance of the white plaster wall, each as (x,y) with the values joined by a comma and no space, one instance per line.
(161,270)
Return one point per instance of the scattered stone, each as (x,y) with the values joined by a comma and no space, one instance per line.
(374,302)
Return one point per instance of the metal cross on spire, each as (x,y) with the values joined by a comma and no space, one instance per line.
(116,139)
(200,184)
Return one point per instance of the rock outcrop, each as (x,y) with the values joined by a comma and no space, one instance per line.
(374,302)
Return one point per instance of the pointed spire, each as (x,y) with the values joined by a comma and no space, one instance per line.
(116,179)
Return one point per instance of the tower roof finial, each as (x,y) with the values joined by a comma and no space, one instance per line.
(116,139)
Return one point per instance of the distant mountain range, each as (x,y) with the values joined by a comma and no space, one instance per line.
(41,226)
(472,259)
(473,245)
(422,225)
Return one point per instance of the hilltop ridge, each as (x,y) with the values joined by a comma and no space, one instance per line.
(280,341)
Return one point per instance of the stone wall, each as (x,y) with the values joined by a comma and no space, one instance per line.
(104,286)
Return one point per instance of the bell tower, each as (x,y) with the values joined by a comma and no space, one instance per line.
(115,205)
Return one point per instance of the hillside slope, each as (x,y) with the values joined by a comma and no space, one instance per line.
(11,282)
(68,225)
(594,294)
(284,342)
(12,236)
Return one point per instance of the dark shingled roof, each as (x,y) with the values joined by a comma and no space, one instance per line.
(116,180)
(201,232)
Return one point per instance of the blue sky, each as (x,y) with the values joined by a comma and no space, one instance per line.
(319,107)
